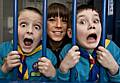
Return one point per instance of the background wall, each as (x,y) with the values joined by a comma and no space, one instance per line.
(1,20)
(6,16)
(116,22)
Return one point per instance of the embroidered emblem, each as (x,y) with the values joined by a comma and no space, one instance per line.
(35,71)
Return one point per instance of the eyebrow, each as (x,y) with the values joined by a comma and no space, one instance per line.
(21,18)
(85,15)
(81,16)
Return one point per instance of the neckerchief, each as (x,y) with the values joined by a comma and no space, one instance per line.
(94,67)
(22,69)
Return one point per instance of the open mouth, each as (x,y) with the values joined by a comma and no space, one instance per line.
(92,37)
(28,42)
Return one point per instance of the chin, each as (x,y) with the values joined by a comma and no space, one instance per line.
(27,50)
(92,46)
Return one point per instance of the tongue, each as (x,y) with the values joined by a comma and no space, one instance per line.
(91,39)
(28,43)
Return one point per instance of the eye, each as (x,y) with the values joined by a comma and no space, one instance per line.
(64,21)
(37,27)
(23,24)
(96,20)
(82,21)
(51,19)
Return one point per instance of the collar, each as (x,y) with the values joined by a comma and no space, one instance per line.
(30,54)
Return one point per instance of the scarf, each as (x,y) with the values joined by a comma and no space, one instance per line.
(22,69)
(94,67)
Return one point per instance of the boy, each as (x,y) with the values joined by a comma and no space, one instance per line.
(87,56)
(28,59)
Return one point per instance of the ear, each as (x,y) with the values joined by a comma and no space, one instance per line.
(69,32)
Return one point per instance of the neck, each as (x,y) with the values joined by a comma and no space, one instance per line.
(55,45)
(88,50)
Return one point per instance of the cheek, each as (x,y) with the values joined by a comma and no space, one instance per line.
(99,31)
(50,25)
(80,33)
(64,28)
(81,29)
(38,37)
(81,36)
(20,34)
(21,31)
(49,33)
(49,29)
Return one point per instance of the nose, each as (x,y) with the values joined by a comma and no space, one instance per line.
(91,26)
(29,29)
(59,23)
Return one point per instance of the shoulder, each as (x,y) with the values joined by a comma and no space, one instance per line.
(67,46)
(6,44)
(65,50)
(49,51)
(50,55)
(5,47)
(110,44)
(113,48)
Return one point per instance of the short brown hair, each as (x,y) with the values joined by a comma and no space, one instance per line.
(31,9)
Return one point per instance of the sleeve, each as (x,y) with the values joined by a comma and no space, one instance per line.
(65,51)
(115,78)
(2,74)
(115,51)
(51,56)
(63,76)
(4,49)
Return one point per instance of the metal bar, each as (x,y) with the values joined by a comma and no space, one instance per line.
(15,25)
(15,32)
(44,37)
(74,5)
(103,33)
(104,2)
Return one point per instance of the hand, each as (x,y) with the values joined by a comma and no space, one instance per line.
(106,59)
(70,60)
(46,68)
(12,60)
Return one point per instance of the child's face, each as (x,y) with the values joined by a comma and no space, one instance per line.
(88,28)
(29,30)
(56,28)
